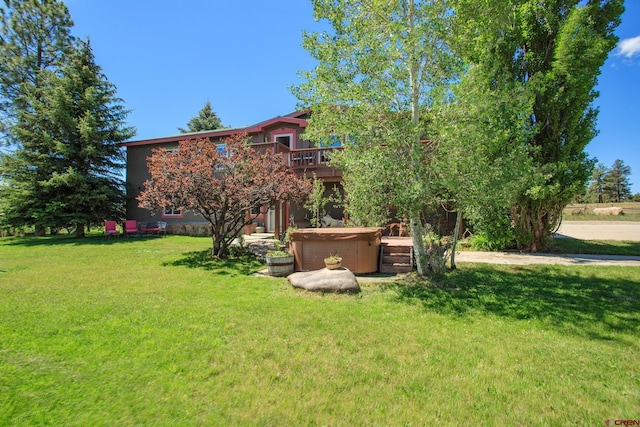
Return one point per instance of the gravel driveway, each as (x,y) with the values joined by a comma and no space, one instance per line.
(600,230)
(583,230)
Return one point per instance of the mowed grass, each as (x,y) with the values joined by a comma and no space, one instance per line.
(150,331)
(595,247)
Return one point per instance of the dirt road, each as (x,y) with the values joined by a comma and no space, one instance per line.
(600,230)
(515,258)
(583,230)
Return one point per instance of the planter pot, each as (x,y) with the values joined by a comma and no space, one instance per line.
(333,265)
(259,229)
(280,266)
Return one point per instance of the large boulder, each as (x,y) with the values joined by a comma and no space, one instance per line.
(608,211)
(340,280)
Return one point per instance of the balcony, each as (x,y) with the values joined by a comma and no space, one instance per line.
(306,160)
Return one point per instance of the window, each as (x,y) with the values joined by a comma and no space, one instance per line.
(334,141)
(171,212)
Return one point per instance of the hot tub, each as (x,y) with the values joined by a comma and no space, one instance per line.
(358,247)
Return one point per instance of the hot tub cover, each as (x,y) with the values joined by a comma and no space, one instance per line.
(336,233)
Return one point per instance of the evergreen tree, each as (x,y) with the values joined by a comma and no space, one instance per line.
(207,119)
(34,37)
(617,187)
(66,171)
(595,192)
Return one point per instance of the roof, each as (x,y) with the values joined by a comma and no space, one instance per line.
(293,118)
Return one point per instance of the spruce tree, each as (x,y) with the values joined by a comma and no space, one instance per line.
(207,119)
(70,177)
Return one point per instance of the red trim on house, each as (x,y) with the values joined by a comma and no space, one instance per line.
(222,133)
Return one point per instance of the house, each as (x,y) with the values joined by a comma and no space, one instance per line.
(282,134)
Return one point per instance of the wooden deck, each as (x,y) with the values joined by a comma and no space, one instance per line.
(397,241)
(306,161)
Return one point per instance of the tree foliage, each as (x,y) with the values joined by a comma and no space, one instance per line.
(222,183)
(378,72)
(34,37)
(207,119)
(66,169)
(318,200)
(595,191)
(552,51)
(617,187)
(482,153)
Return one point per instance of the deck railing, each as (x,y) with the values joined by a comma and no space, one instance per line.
(304,158)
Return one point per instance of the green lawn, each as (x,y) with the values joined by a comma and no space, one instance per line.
(595,247)
(149,331)
(584,212)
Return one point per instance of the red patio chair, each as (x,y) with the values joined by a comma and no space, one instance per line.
(111,229)
(130,227)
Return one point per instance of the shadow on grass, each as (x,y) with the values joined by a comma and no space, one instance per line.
(595,247)
(66,239)
(235,265)
(583,301)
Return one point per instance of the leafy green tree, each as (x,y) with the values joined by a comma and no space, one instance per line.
(553,51)
(207,119)
(66,171)
(34,37)
(367,184)
(378,72)
(617,187)
(318,200)
(482,154)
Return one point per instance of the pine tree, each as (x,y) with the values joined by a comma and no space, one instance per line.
(617,187)
(34,37)
(207,119)
(66,172)
(596,188)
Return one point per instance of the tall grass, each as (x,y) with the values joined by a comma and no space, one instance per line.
(150,331)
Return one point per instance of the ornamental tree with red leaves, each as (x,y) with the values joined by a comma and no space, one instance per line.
(220,185)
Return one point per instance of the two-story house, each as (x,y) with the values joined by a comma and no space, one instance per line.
(283,135)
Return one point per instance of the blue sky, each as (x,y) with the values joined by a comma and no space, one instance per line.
(167,59)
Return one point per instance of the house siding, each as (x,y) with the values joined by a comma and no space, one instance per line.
(191,223)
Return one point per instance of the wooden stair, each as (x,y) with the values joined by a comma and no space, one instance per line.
(395,259)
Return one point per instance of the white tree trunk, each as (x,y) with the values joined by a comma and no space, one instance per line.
(417,234)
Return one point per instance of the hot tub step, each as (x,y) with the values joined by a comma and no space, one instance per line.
(396,268)
(396,258)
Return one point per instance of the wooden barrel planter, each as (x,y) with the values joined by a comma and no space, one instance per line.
(280,266)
